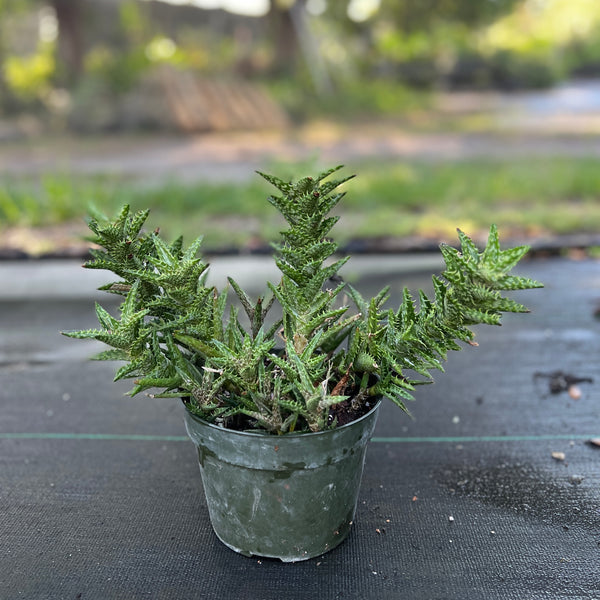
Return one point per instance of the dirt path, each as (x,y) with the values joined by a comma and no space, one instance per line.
(235,156)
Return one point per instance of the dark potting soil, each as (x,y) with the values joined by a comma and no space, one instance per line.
(344,412)
(339,415)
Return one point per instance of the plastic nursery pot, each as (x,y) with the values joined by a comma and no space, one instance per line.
(292,496)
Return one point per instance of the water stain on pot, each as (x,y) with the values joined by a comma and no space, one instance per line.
(203,454)
(291,466)
(523,489)
(288,470)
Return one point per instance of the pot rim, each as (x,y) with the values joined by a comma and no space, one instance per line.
(267,435)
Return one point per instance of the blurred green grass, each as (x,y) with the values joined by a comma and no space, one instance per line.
(429,199)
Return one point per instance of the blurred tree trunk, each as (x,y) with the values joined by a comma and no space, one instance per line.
(70,36)
(284,36)
(7,100)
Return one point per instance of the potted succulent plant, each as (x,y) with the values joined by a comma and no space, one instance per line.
(281,392)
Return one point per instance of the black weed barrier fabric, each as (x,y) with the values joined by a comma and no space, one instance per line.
(491,491)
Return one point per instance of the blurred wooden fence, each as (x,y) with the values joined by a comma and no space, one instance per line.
(202,104)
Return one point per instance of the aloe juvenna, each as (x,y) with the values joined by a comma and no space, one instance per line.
(289,373)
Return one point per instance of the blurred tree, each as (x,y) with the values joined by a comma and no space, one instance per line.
(417,42)
(284,36)
(295,48)
(69,19)
(364,24)
(413,15)
(416,15)
(8,9)
(69,15)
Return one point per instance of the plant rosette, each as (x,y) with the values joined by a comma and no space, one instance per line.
(277,399)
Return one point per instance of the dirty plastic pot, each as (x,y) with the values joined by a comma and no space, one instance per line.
(292,496)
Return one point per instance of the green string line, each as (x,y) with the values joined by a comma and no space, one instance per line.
(94,436)
(483,438)
(376,440)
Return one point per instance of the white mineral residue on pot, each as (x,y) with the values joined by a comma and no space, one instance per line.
(257,495)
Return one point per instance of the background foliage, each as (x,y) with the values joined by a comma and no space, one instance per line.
(311,54)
